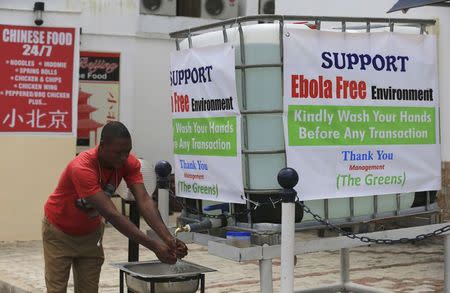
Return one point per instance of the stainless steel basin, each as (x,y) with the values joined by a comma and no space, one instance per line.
(183,277)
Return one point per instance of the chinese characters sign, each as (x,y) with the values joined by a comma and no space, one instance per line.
(98,99)
(36,75)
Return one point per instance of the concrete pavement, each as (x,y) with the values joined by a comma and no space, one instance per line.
(400,268)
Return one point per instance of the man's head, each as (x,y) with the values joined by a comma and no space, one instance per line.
(115,145)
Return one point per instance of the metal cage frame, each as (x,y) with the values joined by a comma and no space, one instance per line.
(370,23)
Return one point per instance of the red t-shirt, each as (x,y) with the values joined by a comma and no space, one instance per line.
(80,179)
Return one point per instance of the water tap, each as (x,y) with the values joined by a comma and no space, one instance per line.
(185,228)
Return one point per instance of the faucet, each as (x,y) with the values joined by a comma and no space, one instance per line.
(203,225)
(185,228)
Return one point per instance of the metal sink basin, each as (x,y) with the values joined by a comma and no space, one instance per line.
(157,277)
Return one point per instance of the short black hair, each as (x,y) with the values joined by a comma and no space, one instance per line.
(114,129)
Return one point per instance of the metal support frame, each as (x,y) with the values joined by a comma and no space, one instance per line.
(447,264)
(163,205)
(265,275)
(288,243)
(264,254)
(163,170)
(187,36)
(288,207)
(317,19)
(133,247)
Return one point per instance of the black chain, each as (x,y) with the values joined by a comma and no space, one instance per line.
(319,219)
(365,239)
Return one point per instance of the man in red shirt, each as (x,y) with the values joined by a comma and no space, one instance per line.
(72,228)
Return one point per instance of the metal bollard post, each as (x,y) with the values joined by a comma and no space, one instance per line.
(447,263)
(265,275)
(287,178)
(163,170)
(133,247)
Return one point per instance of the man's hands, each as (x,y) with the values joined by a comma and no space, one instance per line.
(165,253)
(179,247)
(171,251)
(170,245)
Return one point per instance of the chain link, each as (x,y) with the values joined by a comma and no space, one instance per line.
(319,219)
(365,239)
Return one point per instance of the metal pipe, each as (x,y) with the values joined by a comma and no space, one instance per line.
(163,205)
(258,65)
(287,178)
(239,20)
(163,170)
(263,152)
(447,263)
(246,112)
(262,191)
(397,198)
(225,35)
(345,262)
(265,275)
(375,206)
(190,40)
(244,117)
(287,243)
(133,247)
(203,225)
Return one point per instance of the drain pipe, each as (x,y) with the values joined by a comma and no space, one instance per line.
(287,178)
(163,170)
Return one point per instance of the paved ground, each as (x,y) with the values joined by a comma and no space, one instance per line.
(400,268)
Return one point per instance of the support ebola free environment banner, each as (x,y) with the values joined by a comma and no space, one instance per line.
(206,124)
(361,113)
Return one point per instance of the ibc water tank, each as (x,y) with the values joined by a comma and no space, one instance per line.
(259,91)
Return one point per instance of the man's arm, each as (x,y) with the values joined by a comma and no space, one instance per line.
(150,212)
(106,208)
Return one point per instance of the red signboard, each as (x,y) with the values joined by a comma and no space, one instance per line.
(36,75)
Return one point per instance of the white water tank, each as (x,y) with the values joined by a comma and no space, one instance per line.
(264,132)
(148,172)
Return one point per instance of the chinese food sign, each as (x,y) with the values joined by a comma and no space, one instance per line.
(36,76)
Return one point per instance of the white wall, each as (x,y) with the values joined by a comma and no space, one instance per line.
(153,121)
(31,164)
(109,26)
(370,8)
(144,45)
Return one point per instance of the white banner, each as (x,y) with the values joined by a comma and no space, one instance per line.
(361,113)
(206,124)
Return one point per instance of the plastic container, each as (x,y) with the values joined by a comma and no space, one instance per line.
(239,238)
